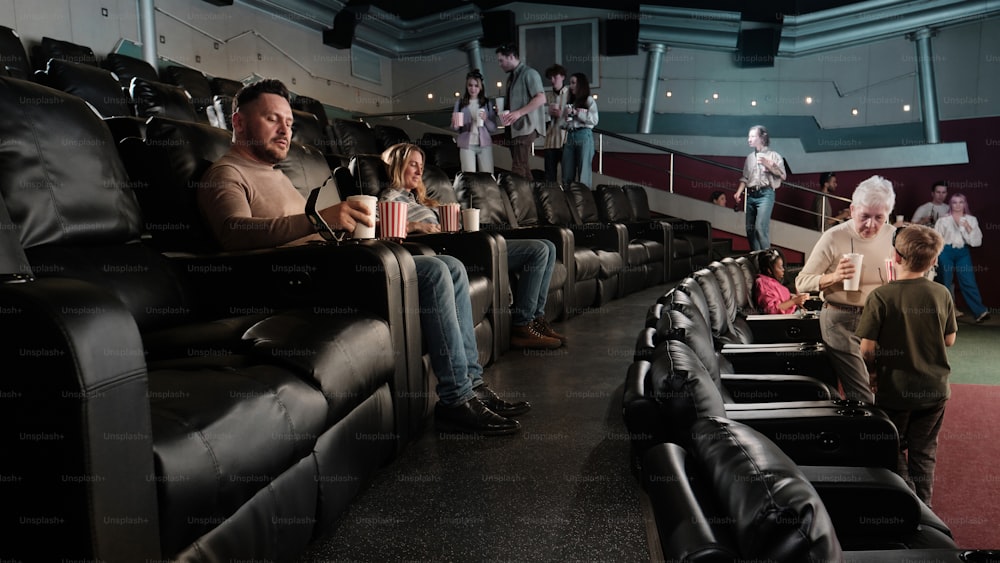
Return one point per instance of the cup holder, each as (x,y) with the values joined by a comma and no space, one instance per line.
(980,556)
(853,412)
(850,403)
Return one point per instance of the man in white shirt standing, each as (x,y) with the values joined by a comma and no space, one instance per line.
(928,213)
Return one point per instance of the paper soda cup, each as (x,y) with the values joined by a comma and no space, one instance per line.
(854,282)
(362,231)
(470,220)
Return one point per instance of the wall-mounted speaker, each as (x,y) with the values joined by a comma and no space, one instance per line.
(342,34)
(498,28)
(757,47)
(621,37)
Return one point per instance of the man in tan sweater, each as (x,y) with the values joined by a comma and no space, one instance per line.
(248,203)
(868,233)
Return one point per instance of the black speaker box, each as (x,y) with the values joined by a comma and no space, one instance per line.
(757,47)
(220,2)
(498,28)
(621,37)
(342,34)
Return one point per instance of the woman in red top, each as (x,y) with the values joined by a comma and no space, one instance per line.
(770,295)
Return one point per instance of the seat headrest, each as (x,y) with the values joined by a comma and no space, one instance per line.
(58,49)
(126,68)
(583,201)
(639,200)
(159,99)
(194,82)
(15,58)
(60,173)
(439,185)
(522,199)
(370,174)
(776,513)
(354,137)
(170,165)
(481,191)
(614,207)
(553,206)
(99,87)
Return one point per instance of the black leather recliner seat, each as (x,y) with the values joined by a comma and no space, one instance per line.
(509,209)
(733,496)
(206,407)
(599,248)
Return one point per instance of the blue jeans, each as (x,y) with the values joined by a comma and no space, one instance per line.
(760,203)
(446,322)
(578,157)
(534,260)
(958,261)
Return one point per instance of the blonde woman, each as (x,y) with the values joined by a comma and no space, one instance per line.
(960,230)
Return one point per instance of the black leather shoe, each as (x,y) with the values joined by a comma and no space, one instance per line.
(472,417)
(498,405)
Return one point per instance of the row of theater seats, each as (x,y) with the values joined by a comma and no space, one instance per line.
(174,401)
(758,460)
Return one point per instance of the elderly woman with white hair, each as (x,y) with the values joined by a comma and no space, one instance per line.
(866,233)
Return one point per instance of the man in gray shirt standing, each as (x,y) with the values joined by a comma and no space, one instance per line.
(525,121)
(928,213)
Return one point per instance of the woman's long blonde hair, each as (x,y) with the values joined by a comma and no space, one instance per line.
(395,158)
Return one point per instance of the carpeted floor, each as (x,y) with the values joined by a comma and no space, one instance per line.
(967,477)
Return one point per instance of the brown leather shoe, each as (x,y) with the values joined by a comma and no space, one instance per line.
(527,337)
(544,328)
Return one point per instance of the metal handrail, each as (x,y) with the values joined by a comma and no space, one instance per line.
(671,172)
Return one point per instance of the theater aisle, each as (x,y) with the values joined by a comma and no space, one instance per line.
(561,490)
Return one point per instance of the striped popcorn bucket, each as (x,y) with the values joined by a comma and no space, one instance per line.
(449,214)
(392,219)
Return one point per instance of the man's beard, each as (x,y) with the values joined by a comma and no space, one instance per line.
(267,153)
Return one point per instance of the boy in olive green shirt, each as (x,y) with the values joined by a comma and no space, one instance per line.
(904,329)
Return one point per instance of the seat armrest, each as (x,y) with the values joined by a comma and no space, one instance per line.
(772,388)
(612,237)
(784,328)
(860,436)
(870,501)
(78,435)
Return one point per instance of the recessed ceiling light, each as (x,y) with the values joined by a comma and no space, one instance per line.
(753,103)
(715,96)
(854,111)
(906,107)
(809,99)
(669,94)
(430,95)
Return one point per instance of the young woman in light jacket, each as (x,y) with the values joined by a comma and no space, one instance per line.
(960,230)
(579,119)
(478,123)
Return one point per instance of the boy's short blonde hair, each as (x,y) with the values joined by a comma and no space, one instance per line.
(918,246)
